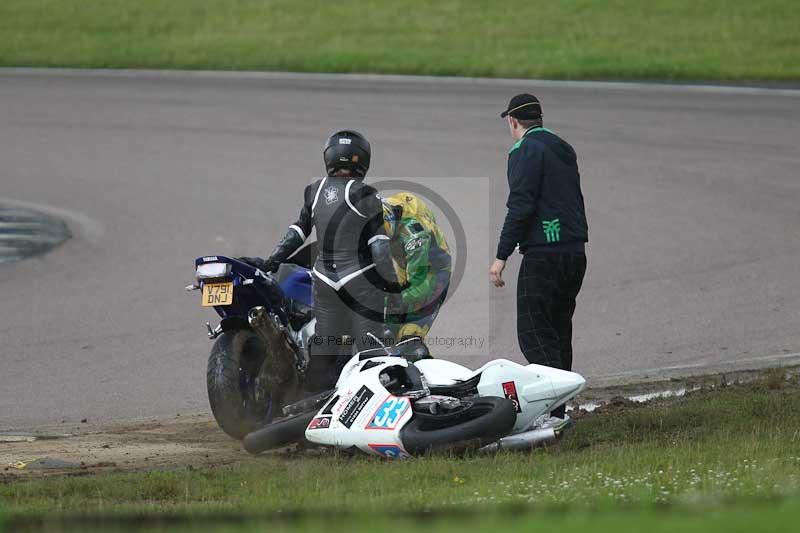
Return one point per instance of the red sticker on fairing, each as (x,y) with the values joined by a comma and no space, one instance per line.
(321,422)
(510,392)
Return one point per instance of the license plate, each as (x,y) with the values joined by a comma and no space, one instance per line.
(217,294)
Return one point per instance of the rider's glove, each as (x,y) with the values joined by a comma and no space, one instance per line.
(270,265)
(266,265)
(396,309)
(393,287)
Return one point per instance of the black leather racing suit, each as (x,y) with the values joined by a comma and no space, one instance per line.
(352,269)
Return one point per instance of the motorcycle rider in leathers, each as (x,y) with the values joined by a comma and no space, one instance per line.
(422,261)
(353,269)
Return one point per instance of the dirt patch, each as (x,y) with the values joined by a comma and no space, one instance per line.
(187,441)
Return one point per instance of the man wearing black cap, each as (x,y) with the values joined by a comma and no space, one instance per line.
(547,220)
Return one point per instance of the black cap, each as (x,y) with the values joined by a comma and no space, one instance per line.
(523,107)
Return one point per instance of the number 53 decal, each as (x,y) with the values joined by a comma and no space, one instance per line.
(389,413)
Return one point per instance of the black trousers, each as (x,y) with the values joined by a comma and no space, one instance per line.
(344,320)
(546,290)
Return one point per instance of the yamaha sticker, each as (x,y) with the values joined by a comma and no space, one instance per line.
(355,406)
(510,392)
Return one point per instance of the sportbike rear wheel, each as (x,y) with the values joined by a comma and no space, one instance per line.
(240,401)
(482,421)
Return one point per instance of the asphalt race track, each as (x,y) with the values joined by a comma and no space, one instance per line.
(692,197)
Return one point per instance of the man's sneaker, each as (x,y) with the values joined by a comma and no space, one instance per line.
(557,424)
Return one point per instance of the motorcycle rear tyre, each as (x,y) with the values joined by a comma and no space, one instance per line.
(485,421)
(233,363)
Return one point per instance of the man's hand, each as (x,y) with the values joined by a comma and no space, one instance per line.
(496,273)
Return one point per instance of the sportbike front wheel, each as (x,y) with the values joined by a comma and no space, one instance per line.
(279,433)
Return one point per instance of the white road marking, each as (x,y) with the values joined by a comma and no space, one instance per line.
(759,362)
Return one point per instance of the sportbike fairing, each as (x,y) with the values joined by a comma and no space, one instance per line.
(535,389)
(363,413)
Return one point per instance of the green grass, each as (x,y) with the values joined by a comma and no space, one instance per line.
(633,39)
(761,517)
(733,449)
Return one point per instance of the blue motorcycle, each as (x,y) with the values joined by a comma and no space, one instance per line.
(259,357)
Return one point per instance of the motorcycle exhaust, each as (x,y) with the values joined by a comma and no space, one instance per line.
(522,441)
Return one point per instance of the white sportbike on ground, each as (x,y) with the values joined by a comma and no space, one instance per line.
(386,405)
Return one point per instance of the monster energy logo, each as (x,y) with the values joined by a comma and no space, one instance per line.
(552,230)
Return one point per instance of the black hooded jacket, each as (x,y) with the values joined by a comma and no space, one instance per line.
(545,203)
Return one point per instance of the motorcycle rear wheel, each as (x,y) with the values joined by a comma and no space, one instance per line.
(239,401)
(485,420)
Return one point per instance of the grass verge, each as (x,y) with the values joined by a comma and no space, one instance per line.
(668,39)
(717,454)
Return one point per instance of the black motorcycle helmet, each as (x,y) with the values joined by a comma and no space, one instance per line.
(347,149)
